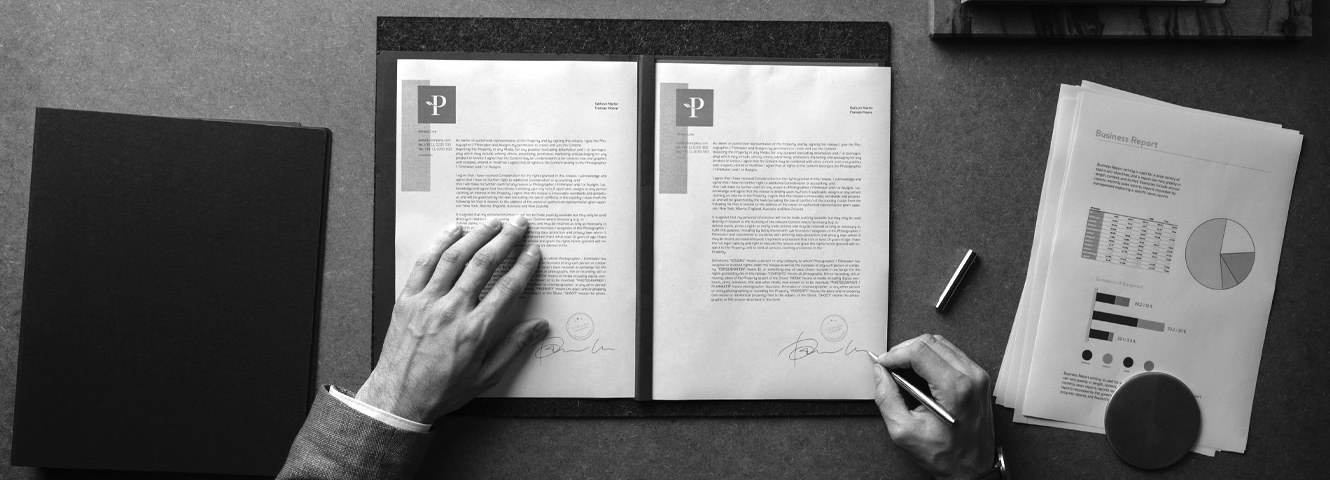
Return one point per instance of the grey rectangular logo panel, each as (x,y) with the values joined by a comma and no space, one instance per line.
(436,104)
(693,107)
(673,175)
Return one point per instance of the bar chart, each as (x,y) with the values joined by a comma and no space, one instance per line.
(1115,319)
(1115,331)
(1127,321)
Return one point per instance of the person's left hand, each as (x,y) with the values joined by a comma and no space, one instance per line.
(445,345)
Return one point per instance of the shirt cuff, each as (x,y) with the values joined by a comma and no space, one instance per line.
(377,414)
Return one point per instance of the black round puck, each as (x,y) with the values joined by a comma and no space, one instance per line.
(1152,421)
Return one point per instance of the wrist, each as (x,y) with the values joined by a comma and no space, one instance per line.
(384,397)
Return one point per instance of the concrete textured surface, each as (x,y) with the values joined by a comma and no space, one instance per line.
(970,132)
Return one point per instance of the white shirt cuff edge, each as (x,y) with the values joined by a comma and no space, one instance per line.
(379,414)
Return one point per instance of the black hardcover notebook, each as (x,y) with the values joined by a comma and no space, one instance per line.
(648,44)
(171,293)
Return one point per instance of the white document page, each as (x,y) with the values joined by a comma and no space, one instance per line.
(1009,383)
(771,230)
(1036,277)
(1164,257)
(1012,380)
(556,142)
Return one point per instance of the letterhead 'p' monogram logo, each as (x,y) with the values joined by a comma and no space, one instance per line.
(436,104)
(693,107)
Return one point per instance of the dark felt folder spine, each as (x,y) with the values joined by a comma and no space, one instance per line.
(646,209)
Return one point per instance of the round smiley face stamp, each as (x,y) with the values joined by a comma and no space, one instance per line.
(580,326)
(834,328)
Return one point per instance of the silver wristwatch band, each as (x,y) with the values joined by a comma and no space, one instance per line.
(999,471)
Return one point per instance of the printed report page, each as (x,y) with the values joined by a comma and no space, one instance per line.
(555,141)
(1166,244)
(771,230)
(1016,375)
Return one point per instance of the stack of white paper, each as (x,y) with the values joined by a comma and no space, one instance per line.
(1155,249)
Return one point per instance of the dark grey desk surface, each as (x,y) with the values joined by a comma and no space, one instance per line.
(971,132)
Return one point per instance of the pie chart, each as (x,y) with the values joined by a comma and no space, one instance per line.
(1220,254)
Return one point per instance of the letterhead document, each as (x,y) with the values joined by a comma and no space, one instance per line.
(554,141)
(771,228)
(770,216)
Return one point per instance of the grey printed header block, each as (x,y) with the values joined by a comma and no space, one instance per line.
(415,167)
(673,175)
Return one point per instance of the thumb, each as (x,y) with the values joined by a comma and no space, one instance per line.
(517,341)
(889,401)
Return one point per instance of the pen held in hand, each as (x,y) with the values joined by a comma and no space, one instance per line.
(919,395)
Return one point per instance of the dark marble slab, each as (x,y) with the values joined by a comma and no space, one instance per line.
(1236,19)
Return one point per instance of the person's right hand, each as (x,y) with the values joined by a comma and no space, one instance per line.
(961,451)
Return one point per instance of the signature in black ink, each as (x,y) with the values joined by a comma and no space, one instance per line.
(553,345)
(806,347)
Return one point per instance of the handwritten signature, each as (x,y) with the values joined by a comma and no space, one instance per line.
(553,345)
(806,347)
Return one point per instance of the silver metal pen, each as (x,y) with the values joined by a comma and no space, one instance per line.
(919,395)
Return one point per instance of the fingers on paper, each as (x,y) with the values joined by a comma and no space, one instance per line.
(425,265)
(517,341)
(512,283)
(487,259)
(456,257)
